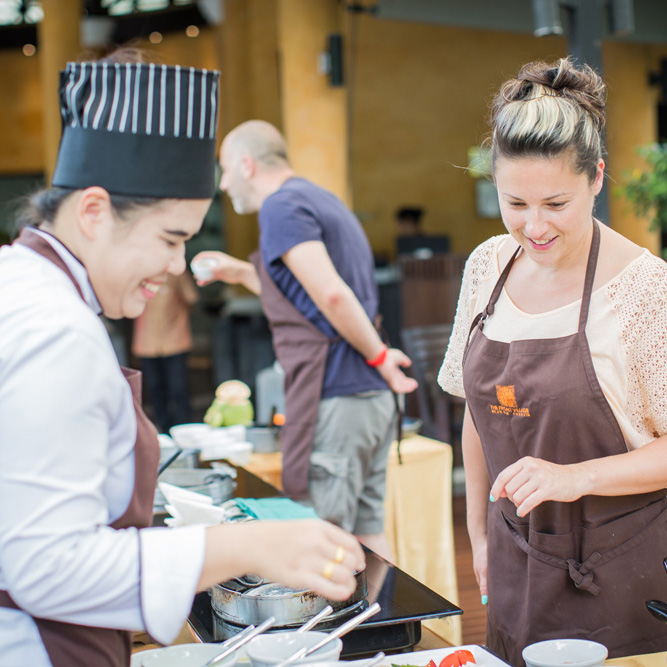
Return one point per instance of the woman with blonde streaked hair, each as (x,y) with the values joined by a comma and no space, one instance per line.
(559,349)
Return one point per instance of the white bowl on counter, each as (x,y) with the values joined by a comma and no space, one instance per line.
(274,647)
(561,652)
(181,655)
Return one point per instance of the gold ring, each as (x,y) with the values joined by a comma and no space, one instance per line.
(328,570)
(340,554)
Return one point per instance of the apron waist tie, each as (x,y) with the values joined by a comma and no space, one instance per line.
(582,575)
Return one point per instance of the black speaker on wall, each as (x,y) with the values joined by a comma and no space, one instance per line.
(335,51)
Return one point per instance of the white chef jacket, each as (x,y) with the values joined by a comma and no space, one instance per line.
(67,433)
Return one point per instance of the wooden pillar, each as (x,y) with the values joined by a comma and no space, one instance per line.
(58,42)
(249,90)
(314,113)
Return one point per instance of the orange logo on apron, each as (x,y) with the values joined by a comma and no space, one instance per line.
(508,403)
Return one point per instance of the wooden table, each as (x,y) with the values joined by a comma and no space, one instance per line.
(646,660)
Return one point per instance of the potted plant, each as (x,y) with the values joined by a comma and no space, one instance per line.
(647,190)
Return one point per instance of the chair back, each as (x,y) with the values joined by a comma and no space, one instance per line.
(426,348)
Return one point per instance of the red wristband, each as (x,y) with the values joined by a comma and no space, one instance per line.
(379,360)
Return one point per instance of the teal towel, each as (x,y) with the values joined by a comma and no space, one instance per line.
(275,508)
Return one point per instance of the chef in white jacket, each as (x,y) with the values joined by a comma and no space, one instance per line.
(79,567)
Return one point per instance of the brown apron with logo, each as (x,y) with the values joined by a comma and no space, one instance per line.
(582,569)
(301,349)
(68,644)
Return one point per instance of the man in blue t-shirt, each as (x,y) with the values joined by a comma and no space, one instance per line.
(315,277)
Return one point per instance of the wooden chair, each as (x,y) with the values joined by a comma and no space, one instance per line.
(439,411)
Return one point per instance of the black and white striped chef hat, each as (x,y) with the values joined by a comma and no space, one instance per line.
(138,129)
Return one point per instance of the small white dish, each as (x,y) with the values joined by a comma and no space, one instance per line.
(560,652)
(193,514)
(203,267)
(174,493)
(272,648)
(237,453)
(182,655)
(187,435)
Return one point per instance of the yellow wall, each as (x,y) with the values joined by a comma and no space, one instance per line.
(21,146)
(419,101)
(250,89)
(416,98)
(631,122)
(314,113)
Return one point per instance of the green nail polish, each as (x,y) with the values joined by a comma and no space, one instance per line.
(492,499)
(517,512)
(485,599)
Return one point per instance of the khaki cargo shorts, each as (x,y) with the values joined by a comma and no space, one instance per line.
(348,464)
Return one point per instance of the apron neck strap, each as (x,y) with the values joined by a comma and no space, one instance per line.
(590,276)
(495,295)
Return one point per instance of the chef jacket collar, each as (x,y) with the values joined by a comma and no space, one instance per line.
(76,267)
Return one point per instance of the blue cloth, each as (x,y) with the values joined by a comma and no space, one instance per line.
(274,508)
(301,211)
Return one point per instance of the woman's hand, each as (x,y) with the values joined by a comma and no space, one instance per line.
(480,567)
(530,481)
(309,553)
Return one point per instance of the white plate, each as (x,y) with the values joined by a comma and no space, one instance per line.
(420,658)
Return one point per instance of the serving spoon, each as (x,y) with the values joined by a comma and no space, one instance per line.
(315,619)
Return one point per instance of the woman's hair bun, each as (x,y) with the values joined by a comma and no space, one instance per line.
(582,85)
(548,109)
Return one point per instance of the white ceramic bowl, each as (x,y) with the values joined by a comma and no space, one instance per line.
(181,655)
(560,652)
(272,648)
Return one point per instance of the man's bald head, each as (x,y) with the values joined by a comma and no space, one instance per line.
(260,141)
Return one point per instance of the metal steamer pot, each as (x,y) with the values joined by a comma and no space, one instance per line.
(237,603)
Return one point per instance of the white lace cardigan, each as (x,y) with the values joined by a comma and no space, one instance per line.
(626,331)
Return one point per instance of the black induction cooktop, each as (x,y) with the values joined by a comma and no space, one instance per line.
(405,601)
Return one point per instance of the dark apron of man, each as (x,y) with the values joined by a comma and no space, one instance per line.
(582,569)
(68,644)
(301,349)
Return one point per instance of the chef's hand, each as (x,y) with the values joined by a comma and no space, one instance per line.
(391,371)
(530,481)
(480,566)
(310,554)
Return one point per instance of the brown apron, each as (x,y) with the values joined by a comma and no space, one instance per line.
(301,349)
(68,644)
(582,569)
